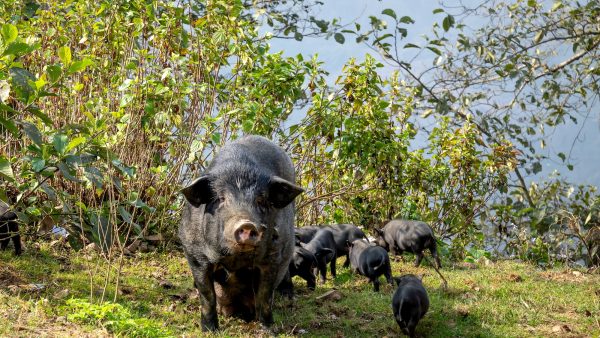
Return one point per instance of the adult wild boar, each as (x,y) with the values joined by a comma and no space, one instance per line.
(370,261)
(409,303)
(9,228)
(323,247)
(237,229)
(398,236)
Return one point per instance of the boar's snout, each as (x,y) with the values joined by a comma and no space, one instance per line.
(246,233)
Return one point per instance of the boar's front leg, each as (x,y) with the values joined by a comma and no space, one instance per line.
(204,282)
(264,296)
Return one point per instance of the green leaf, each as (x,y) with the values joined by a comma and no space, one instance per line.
(411,45)
(54,72)
(32,132)
(95,176)
(17,49)
(30,9)
(75,240)
(129,171)
(434,49)
(60,143)
(339,38)
(247,126)
(20,83)
(407,20)
(8,124)
(67,172)
(216,137)
(448,22)
(126,216)
(562,156)
(298,36)
(536,167)
(75,142)
(80,65)
(389,12)
(5,169)
(38,164)
(438,10)
(64,53)
(9,33)
(531,3)
(40,114)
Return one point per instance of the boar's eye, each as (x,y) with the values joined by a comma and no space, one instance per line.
(263,204)
(215,203)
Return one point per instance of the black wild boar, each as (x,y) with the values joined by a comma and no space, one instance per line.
(306,233)
(370,261)
(302,264)
(323,247)
(344,235)
(237,229)
(409,303)
(398,236)
(9,228)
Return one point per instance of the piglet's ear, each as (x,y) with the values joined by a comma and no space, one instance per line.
(282,192)
(323,252)
(199,192)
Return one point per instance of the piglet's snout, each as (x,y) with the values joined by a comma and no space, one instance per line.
(246,233)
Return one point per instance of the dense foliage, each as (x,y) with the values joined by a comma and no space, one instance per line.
(109,107)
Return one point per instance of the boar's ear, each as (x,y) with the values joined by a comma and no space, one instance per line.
(378,231)
(282,192)
(199,192)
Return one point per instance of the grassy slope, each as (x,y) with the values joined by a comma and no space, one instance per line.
(502,299)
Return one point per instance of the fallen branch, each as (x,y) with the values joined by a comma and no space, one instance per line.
(438,271)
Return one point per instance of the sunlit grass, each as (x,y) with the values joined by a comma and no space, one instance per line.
(155,298)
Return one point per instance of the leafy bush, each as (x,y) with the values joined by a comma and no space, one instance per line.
(108,108)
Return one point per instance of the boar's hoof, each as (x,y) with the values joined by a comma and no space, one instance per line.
(209,324)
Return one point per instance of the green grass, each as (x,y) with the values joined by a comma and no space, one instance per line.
(502,299)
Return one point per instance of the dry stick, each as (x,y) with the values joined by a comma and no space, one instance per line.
(438,271)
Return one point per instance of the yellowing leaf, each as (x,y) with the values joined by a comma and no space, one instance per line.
(75,142)
(9,33)
(64,53)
